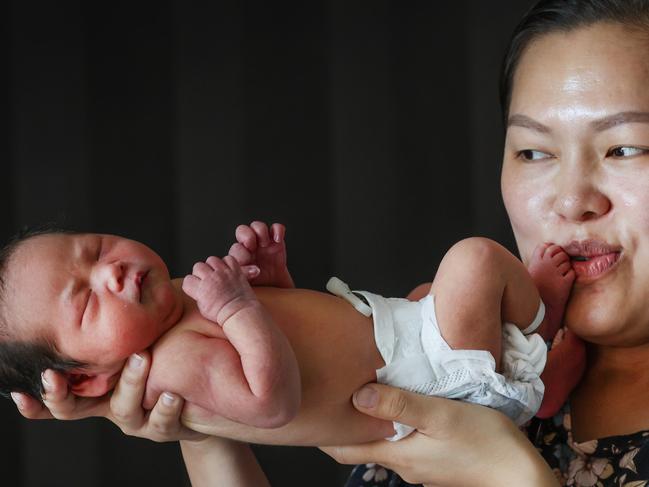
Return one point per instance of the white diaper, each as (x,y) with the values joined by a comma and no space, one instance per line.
(418,359)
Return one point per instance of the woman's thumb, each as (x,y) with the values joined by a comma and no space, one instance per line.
(385,402)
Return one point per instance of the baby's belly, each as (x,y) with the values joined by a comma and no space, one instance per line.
(334,346)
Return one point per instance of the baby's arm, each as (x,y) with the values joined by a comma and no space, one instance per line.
(269,377)
(563,370)
(263,248)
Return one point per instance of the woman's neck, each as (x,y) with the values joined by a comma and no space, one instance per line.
(613,395)
(618,359)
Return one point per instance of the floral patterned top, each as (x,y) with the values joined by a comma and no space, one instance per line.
(614,461)
(620,461)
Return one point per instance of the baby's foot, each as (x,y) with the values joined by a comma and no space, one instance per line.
(553,275)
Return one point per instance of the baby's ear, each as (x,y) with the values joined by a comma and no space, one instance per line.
(91,384)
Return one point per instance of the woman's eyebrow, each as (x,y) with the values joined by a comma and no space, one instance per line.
(611,121)
(598,125)
(524,121)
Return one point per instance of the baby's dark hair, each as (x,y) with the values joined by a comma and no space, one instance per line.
(22,362)
(550,16)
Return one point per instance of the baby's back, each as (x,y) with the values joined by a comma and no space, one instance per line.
(334,346)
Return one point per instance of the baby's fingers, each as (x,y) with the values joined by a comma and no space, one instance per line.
(246,236)
(277,232)
(261,230)
(251,271)
(241,254)
(190,285)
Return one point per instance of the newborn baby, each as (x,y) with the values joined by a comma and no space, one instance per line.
(276,364)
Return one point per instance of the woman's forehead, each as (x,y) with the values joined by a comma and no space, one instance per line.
(591,71)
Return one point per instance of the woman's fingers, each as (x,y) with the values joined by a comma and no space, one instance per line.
(57,397)
(379,452)
(162,423)
(452,443)
(29,407)
(125,403)
(424,413)
(59,402)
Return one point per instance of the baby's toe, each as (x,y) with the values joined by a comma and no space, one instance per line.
(564,268)
(540,251)
(553,251)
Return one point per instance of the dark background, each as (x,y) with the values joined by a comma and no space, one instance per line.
(370,128)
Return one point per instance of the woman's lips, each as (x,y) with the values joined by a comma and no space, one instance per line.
(594,267)
(592,258)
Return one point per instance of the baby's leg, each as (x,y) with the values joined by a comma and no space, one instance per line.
(478,286)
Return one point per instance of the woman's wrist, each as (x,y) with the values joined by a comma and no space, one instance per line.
(221,461)
(522,464)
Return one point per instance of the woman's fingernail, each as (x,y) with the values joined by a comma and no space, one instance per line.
(135,361)
(253,270)
(46,384)
(168,399)
(17,398)
(366,397)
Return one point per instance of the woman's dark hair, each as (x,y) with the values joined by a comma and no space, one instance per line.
(22,362)
(549,16)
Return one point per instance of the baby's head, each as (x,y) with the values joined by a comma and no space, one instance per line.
(82,304)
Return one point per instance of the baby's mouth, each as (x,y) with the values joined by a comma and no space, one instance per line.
(140,277)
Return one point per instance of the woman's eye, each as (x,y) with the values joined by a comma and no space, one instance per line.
(626,151)
(532,155)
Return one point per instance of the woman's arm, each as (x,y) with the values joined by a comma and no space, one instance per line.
(456,443)
(220,461)
(209,460)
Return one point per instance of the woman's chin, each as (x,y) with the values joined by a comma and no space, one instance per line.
(595,320)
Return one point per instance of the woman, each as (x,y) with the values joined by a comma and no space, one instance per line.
(575,172)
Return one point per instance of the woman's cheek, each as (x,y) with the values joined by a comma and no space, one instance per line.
(525,209)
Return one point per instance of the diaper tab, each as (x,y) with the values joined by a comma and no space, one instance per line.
(338,288)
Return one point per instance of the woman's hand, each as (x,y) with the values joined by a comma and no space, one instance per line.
(122,407)
(455,443)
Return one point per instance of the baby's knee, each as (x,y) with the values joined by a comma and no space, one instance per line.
(477,255)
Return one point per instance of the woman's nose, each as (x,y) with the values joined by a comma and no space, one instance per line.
(579,199)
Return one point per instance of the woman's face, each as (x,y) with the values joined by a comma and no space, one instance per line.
(576,171)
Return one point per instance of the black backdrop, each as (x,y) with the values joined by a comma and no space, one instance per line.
(370,128)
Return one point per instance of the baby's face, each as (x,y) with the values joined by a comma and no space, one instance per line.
(97,298)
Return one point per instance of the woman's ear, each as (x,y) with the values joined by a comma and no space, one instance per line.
(91,384)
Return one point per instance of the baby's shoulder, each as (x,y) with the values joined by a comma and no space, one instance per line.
(185,335)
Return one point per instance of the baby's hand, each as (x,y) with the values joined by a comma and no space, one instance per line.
(264,247)
(220,288)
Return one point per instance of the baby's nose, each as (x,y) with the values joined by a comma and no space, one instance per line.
(114,276)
